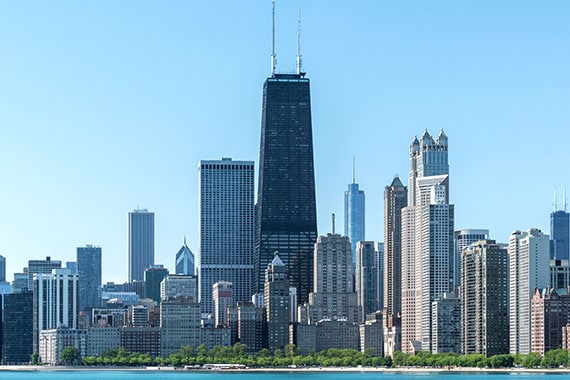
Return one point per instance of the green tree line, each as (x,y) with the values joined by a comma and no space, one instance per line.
(289,356)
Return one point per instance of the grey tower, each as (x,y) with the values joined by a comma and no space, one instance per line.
(227,225)
(140,243)
(89,271)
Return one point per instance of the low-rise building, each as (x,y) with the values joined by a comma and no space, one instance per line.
(53,342)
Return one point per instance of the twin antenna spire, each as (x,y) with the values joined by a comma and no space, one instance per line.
(563,198)
(274,55)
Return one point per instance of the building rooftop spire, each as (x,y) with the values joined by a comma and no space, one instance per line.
(273,55)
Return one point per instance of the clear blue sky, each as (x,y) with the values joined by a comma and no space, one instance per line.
(106,105)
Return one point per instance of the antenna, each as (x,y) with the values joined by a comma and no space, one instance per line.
(554,203)
(299,56)
(353,171)
(273,55)
(564,196)
(333,223)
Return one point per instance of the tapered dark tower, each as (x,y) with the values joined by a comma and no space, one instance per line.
(286,217)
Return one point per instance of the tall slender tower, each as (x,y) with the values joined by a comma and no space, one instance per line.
(286,216)
(395,199)
(141,243)
(427,240)
(559,232)
(276,299)
(226,228)
(528,269)
(354,214)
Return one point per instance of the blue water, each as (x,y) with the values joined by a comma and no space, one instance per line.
(190,375)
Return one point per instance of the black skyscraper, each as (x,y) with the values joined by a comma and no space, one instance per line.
(286,219)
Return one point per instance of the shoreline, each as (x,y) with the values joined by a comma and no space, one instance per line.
(467,370)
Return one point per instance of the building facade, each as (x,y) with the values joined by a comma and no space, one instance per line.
(56,302)
(427,240)
(446,329)
(180,323)
(366,278)
(227,225)
(17,327)
(395,199)
(223,297)
(333,296)
(286,213)
(179,285)
(550,312)
(140,243)
(529,253)
(89,271)
(276,298)
(485,296)
(354,216)
(184,263)
(153,276)
(463,238)
(560,235)
(52,342)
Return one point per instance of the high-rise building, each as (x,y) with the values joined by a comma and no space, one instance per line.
(286,214)
(560,235)
(250,325)
(180,324)
(17,327)
(184,260)
(559,273)
(427,239)
(89,271)
(550,312)
(485,297)
(179,285)
(276,297)
(333,295)
(140,243)
(40,266)
(354,215)
(528,269)
(56,301)
(222,295)
(446,319)
(153,276)
(463,238)
(227,225)
(366,278)
(395,199)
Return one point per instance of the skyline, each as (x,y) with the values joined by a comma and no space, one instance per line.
(105,108)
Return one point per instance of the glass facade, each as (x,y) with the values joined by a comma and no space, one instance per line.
(89,271)
(354,221)
(141,243)
(559,234)
(286,216)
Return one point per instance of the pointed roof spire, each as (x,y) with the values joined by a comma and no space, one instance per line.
(353,171)
(564,198)
(184,240)
(276,260)
(554,202)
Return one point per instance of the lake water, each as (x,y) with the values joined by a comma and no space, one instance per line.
(296,375)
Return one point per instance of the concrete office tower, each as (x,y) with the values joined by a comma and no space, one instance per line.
(276,297)
(89,271)
(56,301)
(446,329)
(395,199)
(485,295)
(179,285)
(184,260)
(286,212)
(40,266)
(463,238)
(550,313)
(559,274)
(140,243)
(366,278)
(427,239)
(227,225)
(17,327)
(529,253)
(180,324)
(333,295)
(354,215)
(560,234)
(153,276)
(223,297)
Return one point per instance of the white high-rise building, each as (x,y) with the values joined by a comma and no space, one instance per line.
(427,240)
(529,268)
(226,229)
(56,301)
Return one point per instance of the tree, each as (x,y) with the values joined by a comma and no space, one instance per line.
(70,356)
(35,359)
